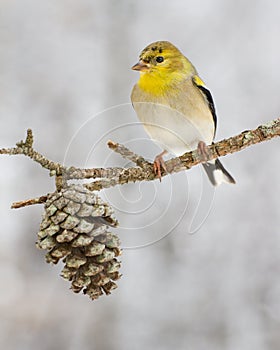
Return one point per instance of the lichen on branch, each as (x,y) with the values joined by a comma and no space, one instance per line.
(143,169)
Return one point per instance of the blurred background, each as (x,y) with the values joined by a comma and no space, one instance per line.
(201,268)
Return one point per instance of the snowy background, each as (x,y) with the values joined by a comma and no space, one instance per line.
(201,268)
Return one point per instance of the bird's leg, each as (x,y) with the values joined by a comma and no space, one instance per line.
(202,151)
(159,163)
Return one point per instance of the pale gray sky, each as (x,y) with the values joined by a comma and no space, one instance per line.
(65,72)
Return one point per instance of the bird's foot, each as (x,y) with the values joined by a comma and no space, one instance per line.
(203,151)
(159,163)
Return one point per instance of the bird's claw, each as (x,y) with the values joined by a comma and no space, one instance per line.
(202,151)
(158,164)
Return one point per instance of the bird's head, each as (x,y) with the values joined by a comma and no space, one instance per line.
(161,57)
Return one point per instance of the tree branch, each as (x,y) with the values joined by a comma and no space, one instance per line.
(143,171)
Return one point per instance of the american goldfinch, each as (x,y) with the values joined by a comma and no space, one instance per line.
(175,106)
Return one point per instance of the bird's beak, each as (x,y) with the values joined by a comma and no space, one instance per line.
(141,66)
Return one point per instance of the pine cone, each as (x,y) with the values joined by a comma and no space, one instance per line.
(75,229)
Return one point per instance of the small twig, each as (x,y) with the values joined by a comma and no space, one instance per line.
(26,148)
(27,202)
(28,143)
(128,154)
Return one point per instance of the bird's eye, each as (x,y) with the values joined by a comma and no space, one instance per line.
(159,59)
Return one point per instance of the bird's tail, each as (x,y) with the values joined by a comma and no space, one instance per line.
(217,173)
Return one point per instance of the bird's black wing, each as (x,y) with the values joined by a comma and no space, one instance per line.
(207,94)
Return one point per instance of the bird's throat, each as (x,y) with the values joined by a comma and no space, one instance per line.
(157,84)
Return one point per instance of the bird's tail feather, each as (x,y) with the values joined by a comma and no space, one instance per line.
(216,172)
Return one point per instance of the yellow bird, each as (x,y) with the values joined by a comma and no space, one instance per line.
(175,107)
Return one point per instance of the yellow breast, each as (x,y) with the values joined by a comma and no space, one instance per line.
(159,83)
